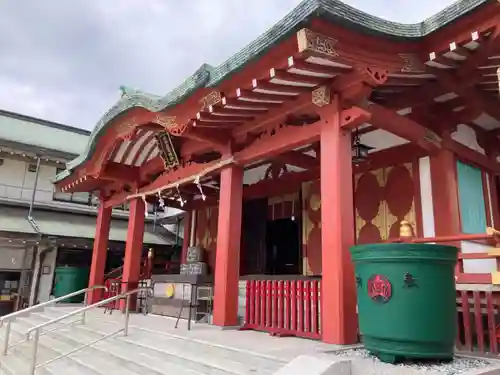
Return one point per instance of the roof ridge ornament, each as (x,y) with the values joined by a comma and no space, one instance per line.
(128,92)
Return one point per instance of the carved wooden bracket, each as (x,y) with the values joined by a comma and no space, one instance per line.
(412,62)
(374,76)
(170,124)
(215,97)
(321,96)
(309,41)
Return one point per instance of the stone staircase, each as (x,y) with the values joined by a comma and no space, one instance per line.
(149,349)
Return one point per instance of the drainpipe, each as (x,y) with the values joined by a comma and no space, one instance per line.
(40,253)
(30,217)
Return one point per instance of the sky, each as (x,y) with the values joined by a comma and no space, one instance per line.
(64,61)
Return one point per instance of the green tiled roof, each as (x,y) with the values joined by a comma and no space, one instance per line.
(208,76)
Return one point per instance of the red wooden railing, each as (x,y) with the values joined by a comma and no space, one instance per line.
(293,307)
(478,314)
(284,307)
(490,238)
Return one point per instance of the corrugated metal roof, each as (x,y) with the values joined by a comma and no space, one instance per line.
(31,132)
(60,224)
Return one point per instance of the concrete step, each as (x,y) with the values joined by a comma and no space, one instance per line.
(17,361)
(185,349)
(144,351)
(236,362)
(156,362)
(128,354)
(89,358)
(198,362)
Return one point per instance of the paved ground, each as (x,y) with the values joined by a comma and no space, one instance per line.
(283,348)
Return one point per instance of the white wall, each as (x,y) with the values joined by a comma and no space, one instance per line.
(16,181)
(424,168)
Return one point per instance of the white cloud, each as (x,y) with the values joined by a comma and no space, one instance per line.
(64,60)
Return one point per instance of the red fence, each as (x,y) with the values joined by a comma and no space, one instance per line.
(284,308)
(478,317)
(293,308)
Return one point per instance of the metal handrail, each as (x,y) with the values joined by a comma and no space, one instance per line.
(10,317)
(83,310)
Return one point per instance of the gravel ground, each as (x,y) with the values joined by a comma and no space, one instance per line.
(458,366)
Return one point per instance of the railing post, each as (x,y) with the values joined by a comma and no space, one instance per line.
(85,299)
(34,351)
(6,338)
(127,315)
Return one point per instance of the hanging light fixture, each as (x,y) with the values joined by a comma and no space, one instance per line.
(359,151)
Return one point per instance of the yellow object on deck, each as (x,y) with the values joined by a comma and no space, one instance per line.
(170,290)
(494,251)
(495,278)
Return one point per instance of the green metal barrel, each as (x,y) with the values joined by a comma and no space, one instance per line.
(69,280)
(406,300)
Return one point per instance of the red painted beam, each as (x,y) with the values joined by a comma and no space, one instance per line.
(353,117)
(118,172)
(151,167)
(290,137)
(470,155)
(214,137)
(283,140)
(193,147)
(298,159)
(385,158)
(403,127)
(288,183)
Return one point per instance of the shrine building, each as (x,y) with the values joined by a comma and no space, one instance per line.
(328,130)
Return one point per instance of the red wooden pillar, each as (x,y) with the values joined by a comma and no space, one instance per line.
(133,249)
(99,252)
(227,258)
(338,293)
(187,235)
(445,193)
(445,200)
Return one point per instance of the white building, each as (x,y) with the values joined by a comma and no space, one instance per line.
(45,230)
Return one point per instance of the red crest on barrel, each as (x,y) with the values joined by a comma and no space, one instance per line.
(379,288)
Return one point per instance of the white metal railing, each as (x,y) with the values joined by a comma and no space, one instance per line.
(9,318)
(83,310)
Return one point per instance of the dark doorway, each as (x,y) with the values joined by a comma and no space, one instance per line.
(253,233)
(282,247)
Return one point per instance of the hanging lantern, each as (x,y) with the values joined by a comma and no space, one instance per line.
(359,151)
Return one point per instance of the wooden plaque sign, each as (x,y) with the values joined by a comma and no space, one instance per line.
(167,150)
